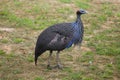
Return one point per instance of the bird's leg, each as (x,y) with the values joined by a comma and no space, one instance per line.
(58,61)
(48,66)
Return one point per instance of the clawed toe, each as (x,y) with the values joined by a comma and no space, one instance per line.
(58,66)
(49,67)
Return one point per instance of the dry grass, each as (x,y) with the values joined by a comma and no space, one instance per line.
(21,21)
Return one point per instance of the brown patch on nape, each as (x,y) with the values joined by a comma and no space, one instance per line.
(78,12)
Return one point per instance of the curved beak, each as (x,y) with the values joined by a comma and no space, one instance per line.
(86,12)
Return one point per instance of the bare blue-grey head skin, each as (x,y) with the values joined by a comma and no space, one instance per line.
(81,11)
(59,37)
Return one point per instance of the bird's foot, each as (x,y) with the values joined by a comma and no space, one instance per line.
(49,67)
(58,66)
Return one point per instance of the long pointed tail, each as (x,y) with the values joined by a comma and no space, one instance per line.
(36,60)
(38,52)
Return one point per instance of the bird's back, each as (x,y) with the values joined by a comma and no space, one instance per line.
(55,37)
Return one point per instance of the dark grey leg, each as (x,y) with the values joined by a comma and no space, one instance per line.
(58,61)
(48,66)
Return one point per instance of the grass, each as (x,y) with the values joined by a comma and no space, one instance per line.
(12,18)
(30,58)
(17,40)
(82,4)
(98,58)
(118,63)
(106,44)
(74,76)
(2,52)
(65,1)
(4,40)
(38,78)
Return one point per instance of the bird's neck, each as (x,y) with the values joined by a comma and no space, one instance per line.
(78,20)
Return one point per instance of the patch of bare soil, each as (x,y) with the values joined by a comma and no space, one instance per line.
(7,29)
(29,38)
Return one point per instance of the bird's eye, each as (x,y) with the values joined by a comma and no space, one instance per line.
(82,11)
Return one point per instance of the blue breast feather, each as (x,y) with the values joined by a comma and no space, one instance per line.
(76,34)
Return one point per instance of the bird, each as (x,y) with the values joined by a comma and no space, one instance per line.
(59,37)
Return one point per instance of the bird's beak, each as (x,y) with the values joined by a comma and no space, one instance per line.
(86,12)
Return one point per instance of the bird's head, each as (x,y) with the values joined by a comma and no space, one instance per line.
(81,11)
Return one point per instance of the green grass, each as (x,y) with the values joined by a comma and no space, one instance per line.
(30,58)
(106,44)
(87,57)
(74,76)
(117,61)
(4,41)
(18,40)
(67,69)
(65,1)
(2,52)
(64,11)
(38,78)
(82,4)
(20,22)
(118,14)
(98,58)
(17,3)
(39,9)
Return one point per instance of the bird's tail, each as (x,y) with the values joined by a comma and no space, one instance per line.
(38,52)
(36,60)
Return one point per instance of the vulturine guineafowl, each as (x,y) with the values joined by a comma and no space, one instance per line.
(59,37)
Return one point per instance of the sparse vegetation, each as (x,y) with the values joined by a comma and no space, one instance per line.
(17,40)
(82,4)
(66,1)
(2,52)
(98,58)
(4,41)
(38,78)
